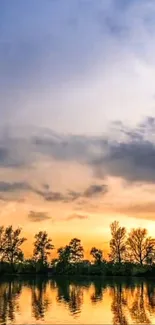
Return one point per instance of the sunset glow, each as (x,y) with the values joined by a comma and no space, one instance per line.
(77,104)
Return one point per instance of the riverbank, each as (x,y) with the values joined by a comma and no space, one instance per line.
(80,269)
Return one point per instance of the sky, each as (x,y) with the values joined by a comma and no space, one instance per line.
(77,117)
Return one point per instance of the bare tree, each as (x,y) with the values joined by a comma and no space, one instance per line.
(117,242)
(140,247)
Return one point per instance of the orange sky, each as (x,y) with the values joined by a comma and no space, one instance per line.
(85,218)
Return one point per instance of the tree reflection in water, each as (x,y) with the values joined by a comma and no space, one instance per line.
(134,302)
(118,305)
(138,310)
(71,294)
(40,301)
(150,298)
(131,302)
(97,295)
(9,293)
(63,292)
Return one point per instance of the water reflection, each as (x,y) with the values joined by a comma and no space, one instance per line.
(71,294)
(97,294)
(151,298)
(9,294)
(40,301)
(125,302)
(118,305)
(138,308)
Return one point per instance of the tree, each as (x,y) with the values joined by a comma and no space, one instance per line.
(117,243)
(97,255)
(64,254)
(12,245)
(1,243)
(76,250)
(42,247)
(140,247)
(62,264)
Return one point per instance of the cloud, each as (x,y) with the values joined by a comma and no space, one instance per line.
(49,195)
(134,161)
(64,147)
(76,216)
(123,151)
(16,149)
(9,160)
(132,157)
(95,190)
(15,186)
(21,147)
(35,216)
(140,210)
(11,191)
(90,192)
(38,216)
(73,195)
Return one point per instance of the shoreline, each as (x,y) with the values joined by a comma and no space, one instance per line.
(75,277)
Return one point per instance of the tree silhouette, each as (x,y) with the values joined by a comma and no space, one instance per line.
(12,242)
(64,259)
(42,247)
(97,255)
(64,254)
(76,250)
(1,243)
(117,242)
(140,247)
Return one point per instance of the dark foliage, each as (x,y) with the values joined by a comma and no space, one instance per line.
(133,255)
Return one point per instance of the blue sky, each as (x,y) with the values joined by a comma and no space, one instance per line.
(75,65)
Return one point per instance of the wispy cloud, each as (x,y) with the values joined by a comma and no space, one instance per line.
(51,195)
(95,190)
(76,216)
(35,216)
(15,186)
(138,210)
(90,192)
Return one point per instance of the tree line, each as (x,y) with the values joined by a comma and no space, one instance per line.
(131,253)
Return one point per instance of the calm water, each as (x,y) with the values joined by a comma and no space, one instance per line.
(40,301)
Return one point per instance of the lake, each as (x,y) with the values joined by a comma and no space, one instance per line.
(70,301)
